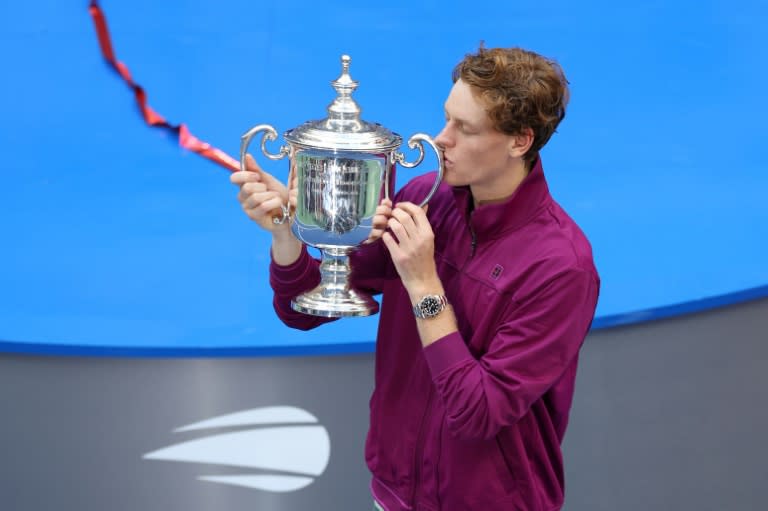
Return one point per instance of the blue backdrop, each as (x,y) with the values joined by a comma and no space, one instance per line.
(115,240)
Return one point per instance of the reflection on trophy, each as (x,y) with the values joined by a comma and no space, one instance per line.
(331,192)
(344,167)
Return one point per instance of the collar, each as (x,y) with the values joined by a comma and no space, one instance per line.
(491,220)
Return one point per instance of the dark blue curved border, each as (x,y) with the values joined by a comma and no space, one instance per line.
(356,348)
(680,309)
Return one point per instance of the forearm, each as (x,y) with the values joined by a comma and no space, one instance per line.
(433,329)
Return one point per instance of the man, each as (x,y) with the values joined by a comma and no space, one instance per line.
(488,294)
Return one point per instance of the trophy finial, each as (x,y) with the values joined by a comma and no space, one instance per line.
(344,84)
(344,112)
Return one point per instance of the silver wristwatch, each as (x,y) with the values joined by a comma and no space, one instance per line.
(430,306)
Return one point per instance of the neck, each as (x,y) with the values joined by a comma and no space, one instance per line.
(499,192)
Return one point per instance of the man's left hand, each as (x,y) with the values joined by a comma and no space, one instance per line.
(411,244)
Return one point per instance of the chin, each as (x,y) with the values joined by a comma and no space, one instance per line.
(450,179)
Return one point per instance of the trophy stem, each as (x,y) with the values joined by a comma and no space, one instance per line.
(333,297)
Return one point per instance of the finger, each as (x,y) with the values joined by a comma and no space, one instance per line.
(383,210)
(374,235)
(272,207)
(254,168)
(253,200)
(412,209)
(392,246)
(405,219)
(379,222)
(249,189)
(398,230)
(417,214)
(271,181)
(380,217)
(242,177)
(264,206)
(251,165)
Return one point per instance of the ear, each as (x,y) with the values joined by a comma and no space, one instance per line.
(520,143)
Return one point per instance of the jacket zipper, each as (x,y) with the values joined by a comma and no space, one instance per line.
(472,234)
(417,455)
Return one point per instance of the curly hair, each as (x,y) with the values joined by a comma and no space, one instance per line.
(520,89)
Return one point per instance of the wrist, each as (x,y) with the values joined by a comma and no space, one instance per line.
(286,248)
(283,235)
(419,290)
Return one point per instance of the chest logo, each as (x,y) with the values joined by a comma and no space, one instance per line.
(497,271)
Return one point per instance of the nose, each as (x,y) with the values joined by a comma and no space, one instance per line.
(443,139)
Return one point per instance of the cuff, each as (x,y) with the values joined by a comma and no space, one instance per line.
(445,353)
(292,278)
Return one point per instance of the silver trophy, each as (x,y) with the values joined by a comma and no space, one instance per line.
(344,166)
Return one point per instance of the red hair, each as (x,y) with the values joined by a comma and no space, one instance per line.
(520,90)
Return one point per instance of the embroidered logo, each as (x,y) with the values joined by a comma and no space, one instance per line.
(496,272)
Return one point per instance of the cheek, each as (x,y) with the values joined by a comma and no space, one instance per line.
(485,153)
(462,149)
(470,152)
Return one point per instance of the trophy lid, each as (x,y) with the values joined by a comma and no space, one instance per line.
(343,129)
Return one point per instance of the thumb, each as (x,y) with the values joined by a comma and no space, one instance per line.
(267,178)
(251,165)
(271,181)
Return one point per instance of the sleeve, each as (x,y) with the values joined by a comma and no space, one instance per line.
(368,273)
(371,266)
(288,282)
(534,344)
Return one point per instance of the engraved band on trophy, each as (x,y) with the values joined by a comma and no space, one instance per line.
(344,167)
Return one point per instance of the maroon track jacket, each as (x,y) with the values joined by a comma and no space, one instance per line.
(474,421)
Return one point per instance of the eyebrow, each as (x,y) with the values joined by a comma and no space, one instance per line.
(462,121)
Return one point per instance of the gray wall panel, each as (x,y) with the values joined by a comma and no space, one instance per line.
(672,415)
(74,430)
(667,415)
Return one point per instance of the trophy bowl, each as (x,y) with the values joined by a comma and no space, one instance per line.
(344,167)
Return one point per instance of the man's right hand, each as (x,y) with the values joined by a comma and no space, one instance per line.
(261,196)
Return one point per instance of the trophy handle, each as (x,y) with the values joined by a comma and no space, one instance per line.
(417,141)
(278,216)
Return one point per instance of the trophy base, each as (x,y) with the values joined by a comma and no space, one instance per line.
(341,304)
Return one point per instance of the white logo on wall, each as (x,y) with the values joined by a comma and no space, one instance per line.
(288,441)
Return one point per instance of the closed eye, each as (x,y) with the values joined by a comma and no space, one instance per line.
(461,126)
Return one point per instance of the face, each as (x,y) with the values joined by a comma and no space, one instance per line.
(475,153)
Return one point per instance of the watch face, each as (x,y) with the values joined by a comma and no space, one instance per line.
(430,306)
